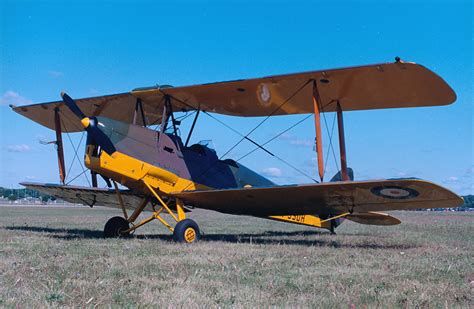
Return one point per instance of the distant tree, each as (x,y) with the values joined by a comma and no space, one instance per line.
(12,197)
(469,201)
(44,198)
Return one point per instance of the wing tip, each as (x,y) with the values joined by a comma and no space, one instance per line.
(451,95)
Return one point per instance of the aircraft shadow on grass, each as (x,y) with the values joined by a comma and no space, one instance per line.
(269,237)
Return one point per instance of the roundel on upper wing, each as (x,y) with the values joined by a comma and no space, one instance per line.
(263,93)
(393,192)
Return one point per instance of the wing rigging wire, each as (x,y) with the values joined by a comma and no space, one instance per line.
(331,147)
(238,133)
(82,173)
(245,137)
(74,159)
(264,149)
(275,137)
(267,117)
(75,154)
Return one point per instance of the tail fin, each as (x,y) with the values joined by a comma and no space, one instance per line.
(338,176)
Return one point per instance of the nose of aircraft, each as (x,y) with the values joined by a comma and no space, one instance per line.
(91,125)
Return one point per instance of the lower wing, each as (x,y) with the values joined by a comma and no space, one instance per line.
(330,198)
(86,195)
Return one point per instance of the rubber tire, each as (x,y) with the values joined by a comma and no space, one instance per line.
(114,226)
(179,234)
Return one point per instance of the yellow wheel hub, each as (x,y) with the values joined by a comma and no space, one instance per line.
(189,235)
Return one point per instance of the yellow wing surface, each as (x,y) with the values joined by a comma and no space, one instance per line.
(326,198)
(379,86)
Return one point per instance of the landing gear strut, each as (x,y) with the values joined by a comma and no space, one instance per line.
(186,230)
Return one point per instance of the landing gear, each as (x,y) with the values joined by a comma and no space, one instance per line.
(186,231)
(116,227)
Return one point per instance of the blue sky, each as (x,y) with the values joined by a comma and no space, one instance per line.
(91,48)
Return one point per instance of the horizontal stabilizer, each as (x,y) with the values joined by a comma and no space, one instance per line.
(373,218)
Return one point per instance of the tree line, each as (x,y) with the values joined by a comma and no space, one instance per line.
(15,194)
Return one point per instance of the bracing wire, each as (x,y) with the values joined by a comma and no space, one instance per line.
(79,160)
(238,133)
(330,139)
(74,159)
(330,144)
(275,137)
(245,137)
(76,156)
(264,149)
(268,116)
(83,172)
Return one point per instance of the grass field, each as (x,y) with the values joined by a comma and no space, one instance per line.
(55,256)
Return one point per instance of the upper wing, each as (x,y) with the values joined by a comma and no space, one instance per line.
(378,86)
(86,195)
(330,198)
(120,107)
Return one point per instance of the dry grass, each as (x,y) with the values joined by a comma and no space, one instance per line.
(56,257)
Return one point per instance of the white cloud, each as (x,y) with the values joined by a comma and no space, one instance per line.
(18,148)
(31,177)
(461,184)
(272,172)
(294,140)
(55,73)
(302,142)
(12,97)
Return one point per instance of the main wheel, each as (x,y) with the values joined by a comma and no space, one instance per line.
(186,231)
(115,227)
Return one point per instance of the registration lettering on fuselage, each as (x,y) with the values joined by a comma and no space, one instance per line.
(296,218)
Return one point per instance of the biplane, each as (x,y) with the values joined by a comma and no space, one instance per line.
(165,174)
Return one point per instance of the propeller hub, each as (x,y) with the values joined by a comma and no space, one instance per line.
(85,122)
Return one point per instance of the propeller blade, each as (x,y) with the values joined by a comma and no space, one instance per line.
(99,137)
(72,105)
